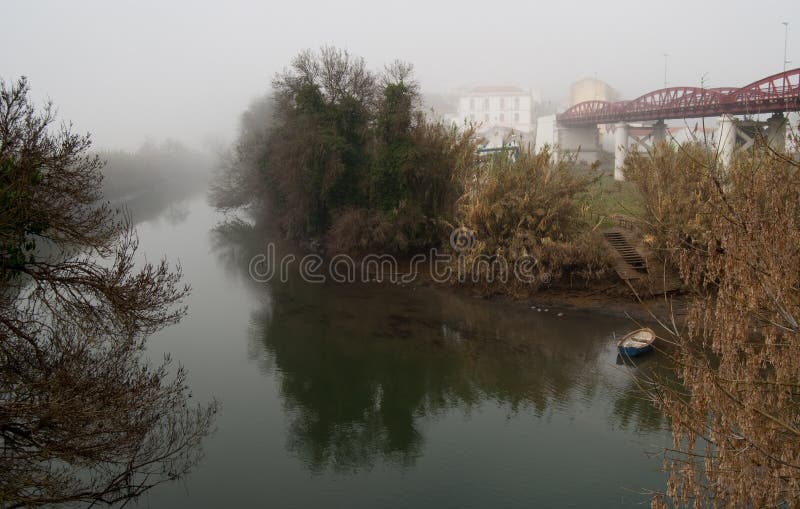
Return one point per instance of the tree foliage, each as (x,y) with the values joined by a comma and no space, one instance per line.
(347,156)
(83,416)
(318,149)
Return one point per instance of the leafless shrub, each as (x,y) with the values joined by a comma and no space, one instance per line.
(734,233)
(83,416)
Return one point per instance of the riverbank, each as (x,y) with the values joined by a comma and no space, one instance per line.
(561,302)
(609,296)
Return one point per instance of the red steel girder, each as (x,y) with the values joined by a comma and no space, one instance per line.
(776,93)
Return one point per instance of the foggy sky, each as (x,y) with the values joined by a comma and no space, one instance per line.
(130,71)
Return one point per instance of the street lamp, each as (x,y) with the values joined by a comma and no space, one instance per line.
(785,44)
(703,80)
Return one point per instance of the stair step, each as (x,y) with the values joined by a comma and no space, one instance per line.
(627,253)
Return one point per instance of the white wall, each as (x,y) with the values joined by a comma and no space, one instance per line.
(545,132)
(507,110)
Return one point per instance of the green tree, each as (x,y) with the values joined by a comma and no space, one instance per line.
(318,149)
(349,158)
(394,138)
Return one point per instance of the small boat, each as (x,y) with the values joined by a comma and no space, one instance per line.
(636,342)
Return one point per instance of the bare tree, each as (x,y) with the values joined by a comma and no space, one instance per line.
(84,417)
(734,233)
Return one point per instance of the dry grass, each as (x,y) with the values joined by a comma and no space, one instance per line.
(529,211)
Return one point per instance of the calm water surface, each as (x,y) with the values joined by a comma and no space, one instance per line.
(379,396)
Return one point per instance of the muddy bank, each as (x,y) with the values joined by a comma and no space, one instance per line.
(555,300)
(609,296)
(612,297)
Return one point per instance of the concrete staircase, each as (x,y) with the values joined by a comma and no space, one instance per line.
(629,263)
(634,261)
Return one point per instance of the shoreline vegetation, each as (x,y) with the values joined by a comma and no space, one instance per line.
(343,162)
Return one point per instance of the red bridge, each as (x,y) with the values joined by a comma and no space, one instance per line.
(773,94)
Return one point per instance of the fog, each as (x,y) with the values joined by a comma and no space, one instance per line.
(135,71)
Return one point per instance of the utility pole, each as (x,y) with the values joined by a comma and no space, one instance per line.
(703,80)
(785,44)
(666,56)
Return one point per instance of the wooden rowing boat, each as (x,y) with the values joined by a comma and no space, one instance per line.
(636,342)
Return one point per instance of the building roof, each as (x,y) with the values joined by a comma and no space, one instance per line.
(495,90)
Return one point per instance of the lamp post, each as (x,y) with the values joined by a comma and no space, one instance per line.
(703,80)
(785,44)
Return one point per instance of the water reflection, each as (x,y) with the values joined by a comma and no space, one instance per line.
(364,368)
(632,408)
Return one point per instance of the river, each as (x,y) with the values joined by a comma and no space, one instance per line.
(378,396)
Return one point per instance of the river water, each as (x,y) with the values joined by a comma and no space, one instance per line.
(378,396)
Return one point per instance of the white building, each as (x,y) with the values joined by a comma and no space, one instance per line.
(497,106)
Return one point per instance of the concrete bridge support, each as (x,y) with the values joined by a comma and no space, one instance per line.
(727,139)
(792,130)
(659,132)
(620,149)
(627,137)
(583,141)
(776,132)
(741,134)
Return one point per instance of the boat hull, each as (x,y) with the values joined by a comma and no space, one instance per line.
(631,351)
(636,343)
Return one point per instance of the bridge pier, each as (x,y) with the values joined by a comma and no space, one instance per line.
(793,133)
(582,141)
(624,139)
(776,132)
(728,132)
(659,132)
(741,134)
(620,149)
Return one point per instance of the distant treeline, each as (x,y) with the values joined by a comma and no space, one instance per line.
(148,180)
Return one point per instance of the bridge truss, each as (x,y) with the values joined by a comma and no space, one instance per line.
(773,94)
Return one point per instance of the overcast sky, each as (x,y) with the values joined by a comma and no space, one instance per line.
(130,71)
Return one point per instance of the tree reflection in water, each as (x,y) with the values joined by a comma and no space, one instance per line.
(363,367)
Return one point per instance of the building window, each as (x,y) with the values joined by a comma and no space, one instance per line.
(472,103)
(486,103)
(486,117)
(472,117)
(516,103)
(502,117)
(502,103)
(516,117)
